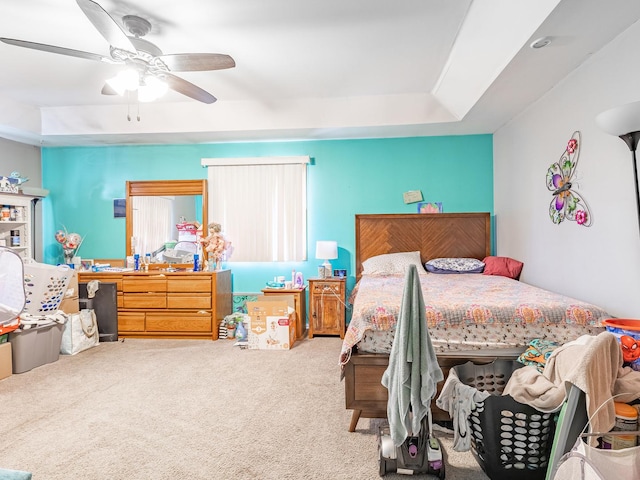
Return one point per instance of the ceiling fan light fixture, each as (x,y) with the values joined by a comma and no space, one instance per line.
(151,89)
(127,79)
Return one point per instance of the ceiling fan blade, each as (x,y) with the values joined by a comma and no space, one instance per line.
(197,62)
(60,50)
(180,85)
(106,25)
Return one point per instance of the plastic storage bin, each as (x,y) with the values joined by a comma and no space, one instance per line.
(45,286)
(629,328)
(510,440)
(35,346)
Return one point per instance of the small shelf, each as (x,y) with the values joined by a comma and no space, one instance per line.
(22,205)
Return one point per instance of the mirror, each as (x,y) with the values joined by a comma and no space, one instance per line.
(154,207)
(12,294)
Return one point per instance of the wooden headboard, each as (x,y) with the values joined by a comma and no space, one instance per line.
(435,235)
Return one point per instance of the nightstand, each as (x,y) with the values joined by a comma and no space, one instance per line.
(326,306)
(300,305)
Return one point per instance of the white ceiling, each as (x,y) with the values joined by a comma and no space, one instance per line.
(304,69)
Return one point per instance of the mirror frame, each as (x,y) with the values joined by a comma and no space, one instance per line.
(160,188)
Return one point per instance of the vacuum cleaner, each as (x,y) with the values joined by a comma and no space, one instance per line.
(420,454)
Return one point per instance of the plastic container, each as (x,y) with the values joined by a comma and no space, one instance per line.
(630,328)
(35,347)
(510,440)
(15,238)
(45,286)
(626,420)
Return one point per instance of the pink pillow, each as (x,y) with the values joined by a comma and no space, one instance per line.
(505,266)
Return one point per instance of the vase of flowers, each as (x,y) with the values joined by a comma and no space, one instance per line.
(70,244)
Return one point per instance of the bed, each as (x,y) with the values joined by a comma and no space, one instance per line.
(471,316)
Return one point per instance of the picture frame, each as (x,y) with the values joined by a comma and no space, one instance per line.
(430,207)
(86,264)
(119,208)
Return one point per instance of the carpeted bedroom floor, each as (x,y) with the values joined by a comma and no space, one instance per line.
(192,409)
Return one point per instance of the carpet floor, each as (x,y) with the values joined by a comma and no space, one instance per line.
(192,409)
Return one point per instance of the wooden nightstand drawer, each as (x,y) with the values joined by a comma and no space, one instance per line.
(189,300)
(144,300)
(181,322)
(131,321)
(324,288)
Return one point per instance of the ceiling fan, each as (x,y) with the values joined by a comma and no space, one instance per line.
(141,56)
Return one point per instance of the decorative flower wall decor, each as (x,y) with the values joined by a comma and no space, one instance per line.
(567,204)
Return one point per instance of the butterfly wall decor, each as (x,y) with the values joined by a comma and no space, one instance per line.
(567,204)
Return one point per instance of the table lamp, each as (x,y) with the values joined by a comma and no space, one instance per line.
(327,250)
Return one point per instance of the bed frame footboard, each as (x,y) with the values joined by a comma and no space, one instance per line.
(367,397)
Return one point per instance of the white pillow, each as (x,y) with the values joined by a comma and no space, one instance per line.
(392,263)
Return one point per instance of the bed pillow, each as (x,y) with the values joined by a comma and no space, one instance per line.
(454,265)
(391,263)
(504,266)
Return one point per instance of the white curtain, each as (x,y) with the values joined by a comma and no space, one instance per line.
(152,223)
(261,207)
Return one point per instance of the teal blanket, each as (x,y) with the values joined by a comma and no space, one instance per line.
(413,370)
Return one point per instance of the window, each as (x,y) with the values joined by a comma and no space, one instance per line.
(261,204)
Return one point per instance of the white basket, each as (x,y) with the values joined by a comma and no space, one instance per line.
(45,286)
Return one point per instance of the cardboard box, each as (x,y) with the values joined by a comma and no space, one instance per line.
(71,302)
(6,364)
(272,324)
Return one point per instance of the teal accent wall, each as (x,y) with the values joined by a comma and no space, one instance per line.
(345,178)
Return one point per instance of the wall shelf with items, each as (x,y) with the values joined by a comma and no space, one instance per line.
(15,223)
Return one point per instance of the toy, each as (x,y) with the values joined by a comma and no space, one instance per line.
(217,248)
(630,348)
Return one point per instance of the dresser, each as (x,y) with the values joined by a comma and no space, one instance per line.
(159,304)
(326,306)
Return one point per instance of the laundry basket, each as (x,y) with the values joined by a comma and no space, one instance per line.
(510,440)
(45,286)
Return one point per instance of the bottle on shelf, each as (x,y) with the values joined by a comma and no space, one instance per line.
(15,238)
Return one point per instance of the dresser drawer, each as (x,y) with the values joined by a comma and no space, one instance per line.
(119,300)
(189,300)
(179,322)
(130,322)
(187,284)
(144,300)
(102,277)
(144,284)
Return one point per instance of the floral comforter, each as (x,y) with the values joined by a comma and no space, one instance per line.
(468,312)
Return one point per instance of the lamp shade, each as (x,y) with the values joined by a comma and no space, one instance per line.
(620,120)
(326,249)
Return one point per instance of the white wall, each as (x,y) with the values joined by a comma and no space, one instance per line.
(26,159)
(599,264)
(23,158)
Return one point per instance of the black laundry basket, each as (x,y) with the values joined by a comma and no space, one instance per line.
(510,440)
